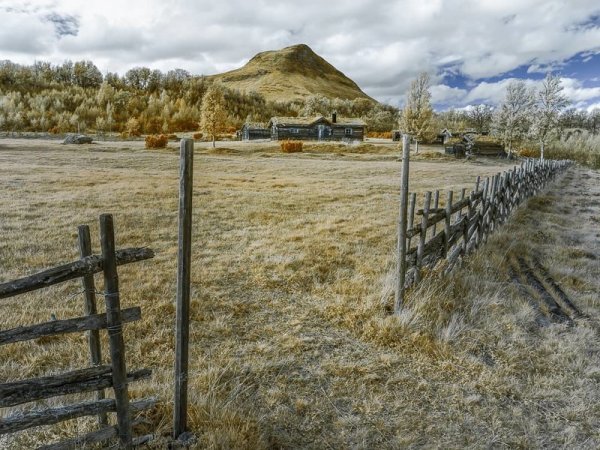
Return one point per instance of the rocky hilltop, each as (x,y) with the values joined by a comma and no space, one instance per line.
(293,73)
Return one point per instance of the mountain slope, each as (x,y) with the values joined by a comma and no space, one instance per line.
(293,73)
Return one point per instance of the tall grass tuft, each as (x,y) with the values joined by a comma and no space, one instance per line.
(584,149)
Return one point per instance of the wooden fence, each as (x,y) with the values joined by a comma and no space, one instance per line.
(433,234)
(92,379)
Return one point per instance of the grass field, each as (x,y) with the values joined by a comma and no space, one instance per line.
(292,344)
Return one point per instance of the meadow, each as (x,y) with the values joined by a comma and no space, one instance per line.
(292,340)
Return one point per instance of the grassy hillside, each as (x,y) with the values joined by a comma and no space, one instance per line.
(292,345)
(293,73)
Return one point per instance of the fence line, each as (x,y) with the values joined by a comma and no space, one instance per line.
(92,379)
(467,223)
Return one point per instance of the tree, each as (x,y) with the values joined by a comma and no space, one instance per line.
(512,118)
(545,118)
(416,115)
(213,114)
(480,117)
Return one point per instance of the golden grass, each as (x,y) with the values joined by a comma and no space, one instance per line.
(291,342)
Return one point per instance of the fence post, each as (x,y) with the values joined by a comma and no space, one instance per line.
(449,195)
(423,235)
(401,247)
(436,202)
(184,256)
(115,329)
(89,290)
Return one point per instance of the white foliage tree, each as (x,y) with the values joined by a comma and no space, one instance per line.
(546,111)
(512,118)
(416,115)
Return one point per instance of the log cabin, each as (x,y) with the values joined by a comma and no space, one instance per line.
(317,128)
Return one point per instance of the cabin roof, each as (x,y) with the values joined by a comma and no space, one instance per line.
(308,121)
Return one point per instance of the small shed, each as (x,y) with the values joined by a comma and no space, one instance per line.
(444,136)
(253,131)
(317,128)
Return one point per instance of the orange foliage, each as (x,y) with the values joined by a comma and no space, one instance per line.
(291,146)
(197,136)
(380,134)
(157,141)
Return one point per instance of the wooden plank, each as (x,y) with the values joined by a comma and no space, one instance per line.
(86,440)
(95,437)
(54,327)
(436,203)
(184,257)
(89,292)
(85,266)
(402,225)
(77,381)
(423,236)
(36,418)
(449,195)
(411,218)
(115,329)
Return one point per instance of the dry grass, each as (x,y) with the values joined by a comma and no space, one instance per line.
(292,345)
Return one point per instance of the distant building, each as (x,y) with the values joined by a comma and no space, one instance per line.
(317,128)
(253,131)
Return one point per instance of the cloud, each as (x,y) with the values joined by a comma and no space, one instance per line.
(66,25)
(381,45)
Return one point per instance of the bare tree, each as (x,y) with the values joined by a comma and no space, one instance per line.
(545,113)
(512,118)
(212,113)
(416,115)
(480,117)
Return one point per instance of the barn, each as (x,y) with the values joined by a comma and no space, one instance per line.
(253,131)
(317,128)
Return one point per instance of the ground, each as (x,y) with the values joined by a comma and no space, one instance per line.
(292,343)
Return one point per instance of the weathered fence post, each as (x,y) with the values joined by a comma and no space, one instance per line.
(115,329)
(401,247)
(184,256)
(447,222)
(89,292)
(422,237)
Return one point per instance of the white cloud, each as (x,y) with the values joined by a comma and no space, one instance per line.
(381,45)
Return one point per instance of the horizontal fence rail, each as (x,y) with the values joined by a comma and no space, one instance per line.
(85,266)
(466,223)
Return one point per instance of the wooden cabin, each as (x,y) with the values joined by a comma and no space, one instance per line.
(317,128)
(253,131)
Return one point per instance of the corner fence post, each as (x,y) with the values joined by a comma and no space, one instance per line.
(85,249)
(401,247)
(184,256)
(115,329)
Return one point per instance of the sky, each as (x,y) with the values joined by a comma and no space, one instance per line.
(472,48)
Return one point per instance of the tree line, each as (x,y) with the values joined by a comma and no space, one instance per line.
(76,97)
(525,115)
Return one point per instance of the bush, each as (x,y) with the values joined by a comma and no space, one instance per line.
(157,141)
(379,134)
(291,146)
(197,136)
(529,152)
(172,137)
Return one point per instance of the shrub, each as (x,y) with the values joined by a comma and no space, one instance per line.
(173,137)
(197,136)
(157,141)
(291,146)
(380,134)
(529,152)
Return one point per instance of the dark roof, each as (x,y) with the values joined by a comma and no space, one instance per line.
(308,121)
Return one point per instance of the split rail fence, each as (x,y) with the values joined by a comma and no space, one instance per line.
(96,378)
(432,234)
